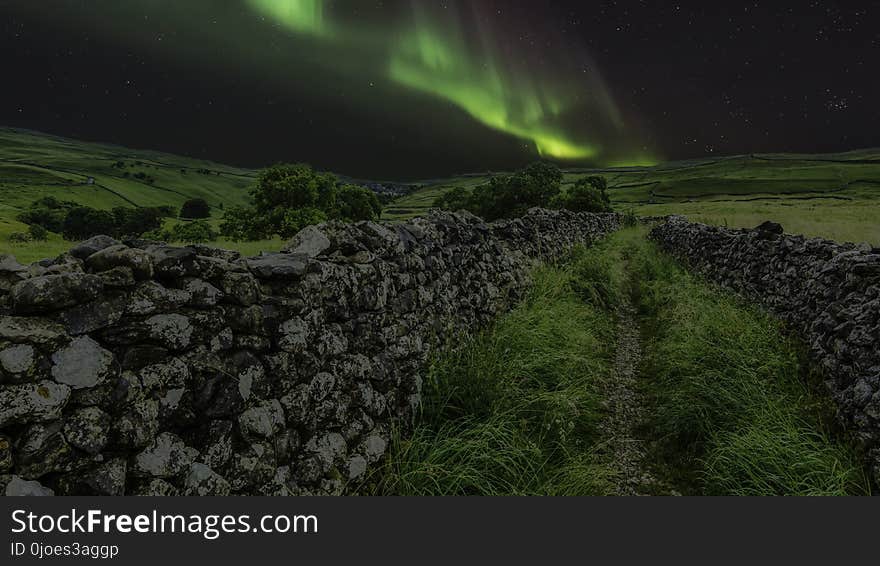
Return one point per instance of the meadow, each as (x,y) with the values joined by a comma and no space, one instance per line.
(835,196)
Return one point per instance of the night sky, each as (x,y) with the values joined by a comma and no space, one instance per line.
(417,89)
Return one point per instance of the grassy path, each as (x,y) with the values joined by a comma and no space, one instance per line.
(624,399)
(623,374)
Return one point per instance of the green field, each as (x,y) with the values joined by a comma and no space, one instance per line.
(34,165)
(834,195)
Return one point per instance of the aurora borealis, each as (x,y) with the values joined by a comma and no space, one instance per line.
(430,53)
(434,65)
(410,89)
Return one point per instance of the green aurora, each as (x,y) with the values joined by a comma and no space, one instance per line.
(431,55)
(409,61)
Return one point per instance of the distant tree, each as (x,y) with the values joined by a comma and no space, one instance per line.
(588,194)
(287,198)
(84,222)
(508,196)
(132,222)
(38,233)
(459,198)
(19,238)
(241,224)
(193,232)
(295,219)
(48,212)
(195,208)
(355,203)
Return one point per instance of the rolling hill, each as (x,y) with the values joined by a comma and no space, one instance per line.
(831,195)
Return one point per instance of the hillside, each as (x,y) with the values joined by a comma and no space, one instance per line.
(34,165)
(831,195)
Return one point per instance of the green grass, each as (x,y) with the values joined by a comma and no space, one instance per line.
(732,409)
(514,410)
(34,165)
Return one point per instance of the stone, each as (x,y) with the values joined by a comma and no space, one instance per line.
(54,292)
(32,402)
(202,294)
(373,448)
(329,449)
(107,479)
(120,277)
(173,373)
(137,426)
(21,329)
(139,261)
(6,459)
(23,488)
(173,263)
(98,314)
(357,466)
(150,297)
(18,359)
(82,364)
(263,420)
(156,488)
(294,335)
(279,266)
(42,449)
(174,331)
(310,241)
(202,481)
(240,288)
(167,457)
(88,429)
(92,246)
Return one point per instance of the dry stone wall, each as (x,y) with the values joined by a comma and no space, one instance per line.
(139,368)
(827,291)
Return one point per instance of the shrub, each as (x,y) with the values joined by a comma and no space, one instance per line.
(241,224)
(38,233)
(355,203)
(456,199)
(507,196)
(132,222)
(589,194)
(48,212)
(287,198)
(296,219)
(19,238)
(195,208)
(84,222)
(193,232)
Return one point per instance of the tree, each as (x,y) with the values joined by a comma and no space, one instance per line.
(83,222)
(193,232)
(355,203)
(48,212)
(295,219)
(286,186)
(241,224)
(195,208)
(38,233)
(509,196)
(132,222)
(589,194)
(287,198)
(456,199)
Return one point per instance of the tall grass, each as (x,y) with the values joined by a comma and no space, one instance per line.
(731,405)
(514,411)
